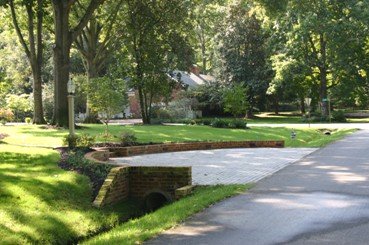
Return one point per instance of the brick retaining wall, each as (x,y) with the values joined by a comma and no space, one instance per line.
(138,182)
(173,147)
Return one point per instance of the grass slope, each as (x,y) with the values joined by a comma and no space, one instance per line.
(139,230)
(39,202)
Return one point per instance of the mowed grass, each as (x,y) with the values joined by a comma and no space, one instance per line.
(139,230)
(306,137)
(157,134)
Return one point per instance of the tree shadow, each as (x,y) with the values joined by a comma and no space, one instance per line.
(45,204)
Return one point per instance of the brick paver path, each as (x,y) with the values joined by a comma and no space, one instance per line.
(225,166)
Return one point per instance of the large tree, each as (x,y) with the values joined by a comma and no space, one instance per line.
(31,13)
(97,40)
(326,36)
(243,57)
(157,42)
(65,35)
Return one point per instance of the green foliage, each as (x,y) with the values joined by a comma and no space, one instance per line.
(235,101)
(238,123)
(82,141)
(28,120)
(128,138)
(95,171)
(70,140)
(339,116)
(206,122)
(157,41)
(107,97)
(85,140)
(243,54)
(219,123)
(20,105)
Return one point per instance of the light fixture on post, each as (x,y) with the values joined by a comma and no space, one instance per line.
(71,87)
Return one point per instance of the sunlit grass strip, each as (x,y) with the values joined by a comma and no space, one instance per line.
(139,230)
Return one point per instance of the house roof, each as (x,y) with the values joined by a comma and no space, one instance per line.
(191,79)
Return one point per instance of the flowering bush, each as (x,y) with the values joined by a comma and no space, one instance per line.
(6,115)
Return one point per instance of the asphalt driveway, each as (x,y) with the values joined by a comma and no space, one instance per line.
(321,199)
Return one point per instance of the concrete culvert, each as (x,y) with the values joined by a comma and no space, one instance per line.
(154,201)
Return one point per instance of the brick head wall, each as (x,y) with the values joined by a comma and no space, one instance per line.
(138,182)
(145,180)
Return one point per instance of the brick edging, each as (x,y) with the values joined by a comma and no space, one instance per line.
(102,154)
(176,147)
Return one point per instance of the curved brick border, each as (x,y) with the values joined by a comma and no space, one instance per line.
(103,154)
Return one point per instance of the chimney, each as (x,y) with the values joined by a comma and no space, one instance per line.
(195,70)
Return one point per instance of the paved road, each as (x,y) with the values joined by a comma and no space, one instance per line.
(225,166)
(314,125)
(321,199)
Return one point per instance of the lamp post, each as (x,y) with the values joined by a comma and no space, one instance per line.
(71,87)
(308,103)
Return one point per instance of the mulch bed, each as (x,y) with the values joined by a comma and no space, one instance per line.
(96,181)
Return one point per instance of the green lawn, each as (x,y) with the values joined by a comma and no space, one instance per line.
(305,137)
(36,136)
(40,203)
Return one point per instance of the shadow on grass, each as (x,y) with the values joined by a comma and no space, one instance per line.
(40,203)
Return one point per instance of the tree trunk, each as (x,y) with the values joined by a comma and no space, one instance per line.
(323,77)
(61,62)
(276,105)
(145,118)
(302,105)
(64,36)
(34,52)
(38,113)
(92,73)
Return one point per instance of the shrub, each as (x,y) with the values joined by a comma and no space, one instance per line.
(206,122)
(92,119)
(85,141)
(28,120)
(97,172)
(162,113)
(338,116)
(128,138)
(70,141)
(219,123)
(6,115)
(241,124)
(192,122)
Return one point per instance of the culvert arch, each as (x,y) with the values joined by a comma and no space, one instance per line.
(156,199)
